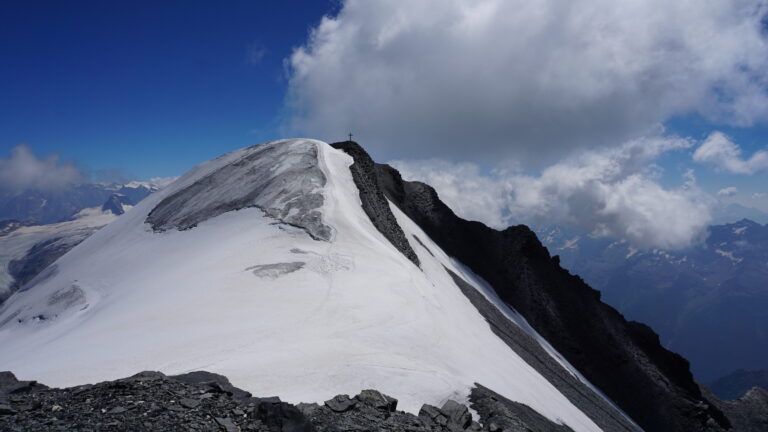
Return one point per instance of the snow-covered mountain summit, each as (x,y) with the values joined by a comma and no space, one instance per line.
(262,265)
(303,270)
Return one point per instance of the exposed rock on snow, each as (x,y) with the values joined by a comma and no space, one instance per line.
(282,178)
(152,401)
(274,271)
(501,414)
(373,200)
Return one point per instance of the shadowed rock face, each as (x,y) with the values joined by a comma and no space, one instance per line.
(281,178)
(274,271)
(623,359)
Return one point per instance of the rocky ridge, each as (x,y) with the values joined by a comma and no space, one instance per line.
(374,202)
(152,401)
(624,359)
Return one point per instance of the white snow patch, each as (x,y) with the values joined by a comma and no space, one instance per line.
(729,255)
(570,244)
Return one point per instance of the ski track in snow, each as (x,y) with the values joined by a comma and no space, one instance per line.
(358,315)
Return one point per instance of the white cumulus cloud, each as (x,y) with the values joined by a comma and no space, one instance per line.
(527,80)
(728,192)
(720,151)
(612,192)
(23,170)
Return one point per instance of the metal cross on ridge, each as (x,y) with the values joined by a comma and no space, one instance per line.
(350,136)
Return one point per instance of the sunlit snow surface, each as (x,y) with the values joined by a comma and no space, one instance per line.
(229,296)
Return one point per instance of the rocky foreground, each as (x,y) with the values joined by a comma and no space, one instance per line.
(203,401)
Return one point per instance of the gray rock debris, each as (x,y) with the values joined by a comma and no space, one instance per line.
(453,416)
(501,414)
(282,178)
(203,401)
(274,271)
(340,403)
(374,202)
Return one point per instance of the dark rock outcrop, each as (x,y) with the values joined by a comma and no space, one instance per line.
(203,401)
(115,204)
(374,202)
(623,359)
(501,414)
(749,413)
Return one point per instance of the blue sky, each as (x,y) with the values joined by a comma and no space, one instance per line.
(147,87)
(550,97)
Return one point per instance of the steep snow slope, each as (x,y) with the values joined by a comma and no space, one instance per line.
(259,300)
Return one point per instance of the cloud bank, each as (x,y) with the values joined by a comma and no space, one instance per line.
(611,192)
(721,152)
(728,192)
(23,170)
(495,79)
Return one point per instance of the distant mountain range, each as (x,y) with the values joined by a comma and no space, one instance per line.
(736,384)
(36,228)
(46,207)
(730,213)
(708,303)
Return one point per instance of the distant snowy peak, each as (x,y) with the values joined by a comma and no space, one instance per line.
(46,207)
(116,204)
(282,178)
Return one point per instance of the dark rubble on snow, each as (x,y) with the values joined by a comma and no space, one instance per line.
(203,401)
